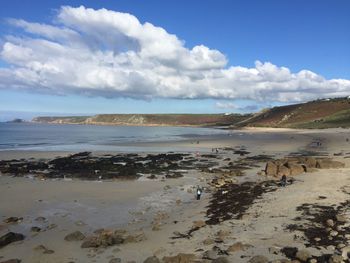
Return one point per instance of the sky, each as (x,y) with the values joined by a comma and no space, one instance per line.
(129,56)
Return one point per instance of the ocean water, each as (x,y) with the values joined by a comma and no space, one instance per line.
(65,137)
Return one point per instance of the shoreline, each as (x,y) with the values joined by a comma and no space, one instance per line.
(164,209)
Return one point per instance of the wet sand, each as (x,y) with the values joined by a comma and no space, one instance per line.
(133,205)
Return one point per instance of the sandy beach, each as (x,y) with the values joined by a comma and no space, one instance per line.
(162,217)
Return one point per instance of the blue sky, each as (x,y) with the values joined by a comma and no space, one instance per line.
(298,35)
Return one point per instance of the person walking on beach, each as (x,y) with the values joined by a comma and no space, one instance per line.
(199,193)
(283,181)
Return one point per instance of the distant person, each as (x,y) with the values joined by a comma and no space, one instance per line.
(199,192)
(216,150)
(283,181)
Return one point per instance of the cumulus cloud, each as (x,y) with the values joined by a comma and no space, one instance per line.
(112,54)
(234,106)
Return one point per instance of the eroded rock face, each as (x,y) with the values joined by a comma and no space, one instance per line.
(295,169)
(297,165)
(271,168)
(10,238)
(329,164)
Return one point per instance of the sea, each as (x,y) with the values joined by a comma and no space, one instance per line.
(67,137)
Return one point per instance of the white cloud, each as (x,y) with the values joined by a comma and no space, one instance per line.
(106,53)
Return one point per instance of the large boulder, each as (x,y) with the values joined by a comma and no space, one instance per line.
(283,170)
(271,168)
(180,258)
(329,164)
(10,238)
(310,162)
(295,169)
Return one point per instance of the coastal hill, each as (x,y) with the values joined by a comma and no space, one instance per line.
(318,114)
(149,119)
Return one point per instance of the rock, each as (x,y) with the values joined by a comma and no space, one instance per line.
(10,238)
(295,169)
(152,259)
(303,255)
(271,168)
(333,233)
(335,259)
(283,170)
(345,252)
(35,229)
(13,220)
(329,164)
(310,162)
(198,224)
(258,259)
(156,227)
(208,241)
(90,242)
(330,247)
(330,222)
(138,237)
(237,247)
(274,250)
(51,226)
(75,236)
(180,258)
(340,246)
(222,234)
(210,254)
(341,218)
(310,170)
(43,249)
(221,260)
(115,260)
(40,219)
(79,223)
(12,261)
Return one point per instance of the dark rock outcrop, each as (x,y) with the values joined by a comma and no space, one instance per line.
(10,238)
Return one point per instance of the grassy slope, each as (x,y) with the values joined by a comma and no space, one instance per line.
(150,119)
(314,114)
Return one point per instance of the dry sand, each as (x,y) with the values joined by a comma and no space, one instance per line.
(87,206)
